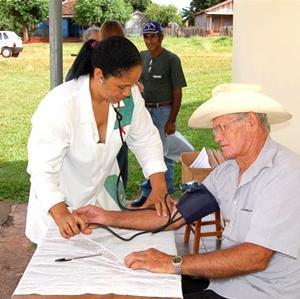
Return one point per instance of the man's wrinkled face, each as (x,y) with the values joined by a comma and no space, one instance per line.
(231,132)
(153,41)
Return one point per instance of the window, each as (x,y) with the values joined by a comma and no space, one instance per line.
(0,36)
(5,35)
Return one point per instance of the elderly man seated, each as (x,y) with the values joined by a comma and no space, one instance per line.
(257,190)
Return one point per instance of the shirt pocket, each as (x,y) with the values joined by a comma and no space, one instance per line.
(243,222)
(159,78)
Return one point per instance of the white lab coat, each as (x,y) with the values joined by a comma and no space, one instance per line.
(65,160)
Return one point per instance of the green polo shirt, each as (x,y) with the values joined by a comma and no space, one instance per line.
(161,75)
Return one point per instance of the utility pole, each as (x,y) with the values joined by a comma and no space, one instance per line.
(55,39)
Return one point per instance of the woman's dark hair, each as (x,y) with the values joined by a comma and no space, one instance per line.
(114,56)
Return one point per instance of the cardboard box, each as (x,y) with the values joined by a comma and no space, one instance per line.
(189,174)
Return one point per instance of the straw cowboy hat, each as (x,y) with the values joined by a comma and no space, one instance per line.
(234,98)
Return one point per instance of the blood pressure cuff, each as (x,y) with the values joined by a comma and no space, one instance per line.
(194,205)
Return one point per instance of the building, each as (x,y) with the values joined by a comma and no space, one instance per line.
(70,29)
(217,19)
(134,26)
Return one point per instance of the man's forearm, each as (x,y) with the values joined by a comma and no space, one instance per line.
(177,95)
(238,260)
(139,220)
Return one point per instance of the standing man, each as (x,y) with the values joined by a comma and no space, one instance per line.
(163,80)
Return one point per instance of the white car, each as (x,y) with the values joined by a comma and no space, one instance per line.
(10,44)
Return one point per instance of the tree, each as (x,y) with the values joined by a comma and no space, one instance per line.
(88,12)
(23,14)
(163,14)
(140,5)
(5,22)
(203,4)
(188,15)
(196,5)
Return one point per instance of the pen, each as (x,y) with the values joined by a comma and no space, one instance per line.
(63,259)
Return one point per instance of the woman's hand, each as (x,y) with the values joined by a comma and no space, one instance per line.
(69,224)
(163,204)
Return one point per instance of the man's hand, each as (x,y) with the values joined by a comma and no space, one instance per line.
(91,214)
(151,260)
(69,224)
(170,127)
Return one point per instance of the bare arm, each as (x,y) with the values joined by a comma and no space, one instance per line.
(242,259)
(157,195)
(141,220)
(171,123)
(237,260)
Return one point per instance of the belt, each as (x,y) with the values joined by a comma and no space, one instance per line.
(157,105)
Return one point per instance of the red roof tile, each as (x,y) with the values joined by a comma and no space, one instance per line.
(67,8)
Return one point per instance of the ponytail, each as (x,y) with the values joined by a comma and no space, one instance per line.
(82,65)
(113,55)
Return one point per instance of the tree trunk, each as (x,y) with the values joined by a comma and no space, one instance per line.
(25,33)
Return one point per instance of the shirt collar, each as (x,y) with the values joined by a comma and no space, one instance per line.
(264,160)
(85,101)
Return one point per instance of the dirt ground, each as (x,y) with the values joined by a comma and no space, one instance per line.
(15,249)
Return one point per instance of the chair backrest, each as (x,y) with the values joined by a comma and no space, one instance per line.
(215,157)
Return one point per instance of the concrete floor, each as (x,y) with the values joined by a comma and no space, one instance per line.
(206,243)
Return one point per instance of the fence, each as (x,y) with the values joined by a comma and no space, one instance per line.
(133,31)
(195,31)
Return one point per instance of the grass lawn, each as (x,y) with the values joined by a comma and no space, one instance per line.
(25,81)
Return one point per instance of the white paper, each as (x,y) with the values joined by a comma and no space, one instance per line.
(102,274)
(201,161)
(177,144)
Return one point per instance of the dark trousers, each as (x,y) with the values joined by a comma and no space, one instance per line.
(197,289)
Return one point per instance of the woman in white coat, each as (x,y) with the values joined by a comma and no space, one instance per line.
(76,136)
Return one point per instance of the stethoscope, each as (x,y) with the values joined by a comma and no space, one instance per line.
(171,219)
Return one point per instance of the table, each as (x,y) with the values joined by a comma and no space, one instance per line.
(86,296)
(103,276)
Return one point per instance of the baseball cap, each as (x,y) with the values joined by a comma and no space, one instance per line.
(152,27)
